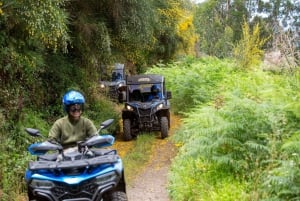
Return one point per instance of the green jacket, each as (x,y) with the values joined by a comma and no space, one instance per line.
(68,133)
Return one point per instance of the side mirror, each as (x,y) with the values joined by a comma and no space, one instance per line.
(33,132)
(106,123)
(99,141)
(169,94)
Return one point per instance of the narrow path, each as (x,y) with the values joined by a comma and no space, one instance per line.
(151,183)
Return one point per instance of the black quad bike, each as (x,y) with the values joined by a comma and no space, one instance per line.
(147,106)
(115,87)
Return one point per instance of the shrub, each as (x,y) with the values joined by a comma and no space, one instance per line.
(248,52)
(192,81)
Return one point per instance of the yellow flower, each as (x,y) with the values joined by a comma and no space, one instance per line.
(1,11)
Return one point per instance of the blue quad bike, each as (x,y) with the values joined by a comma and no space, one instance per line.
(88,172)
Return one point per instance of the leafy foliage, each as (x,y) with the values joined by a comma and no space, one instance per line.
(245,134)
(281,182)
(134,22)
(218,25)
(196,84)
(203,181)
(249,50)
(45,21)
(91,44)
(178,17)
(14,145)
(48,47)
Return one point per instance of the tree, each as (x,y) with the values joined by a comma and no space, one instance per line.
(133,29)
(282,18)
(214,19)
(218,24)
(175,29)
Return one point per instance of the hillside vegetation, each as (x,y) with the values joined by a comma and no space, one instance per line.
(240,133)
(239,139)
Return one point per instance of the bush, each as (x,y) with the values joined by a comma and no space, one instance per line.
(246,134)
(192,81)
(248,52)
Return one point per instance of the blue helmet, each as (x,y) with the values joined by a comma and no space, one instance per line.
(72,97)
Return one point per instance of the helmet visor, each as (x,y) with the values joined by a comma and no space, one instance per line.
(75,108)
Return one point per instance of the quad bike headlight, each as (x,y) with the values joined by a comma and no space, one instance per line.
(102,86)
(120,85)
(128,107)
(36,183)
(160,106)
(106,178)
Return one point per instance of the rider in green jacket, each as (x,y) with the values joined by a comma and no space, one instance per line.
(72,128)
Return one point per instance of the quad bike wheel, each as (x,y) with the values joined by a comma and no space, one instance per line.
(31,197)
(117,196)
(164,128)
(127,129)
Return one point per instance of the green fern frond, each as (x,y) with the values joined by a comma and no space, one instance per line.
(257,147)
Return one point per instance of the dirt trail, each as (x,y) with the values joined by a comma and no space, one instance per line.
(151,183)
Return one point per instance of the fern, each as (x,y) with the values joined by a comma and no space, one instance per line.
(191,82)
(283,182)
(247,127)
